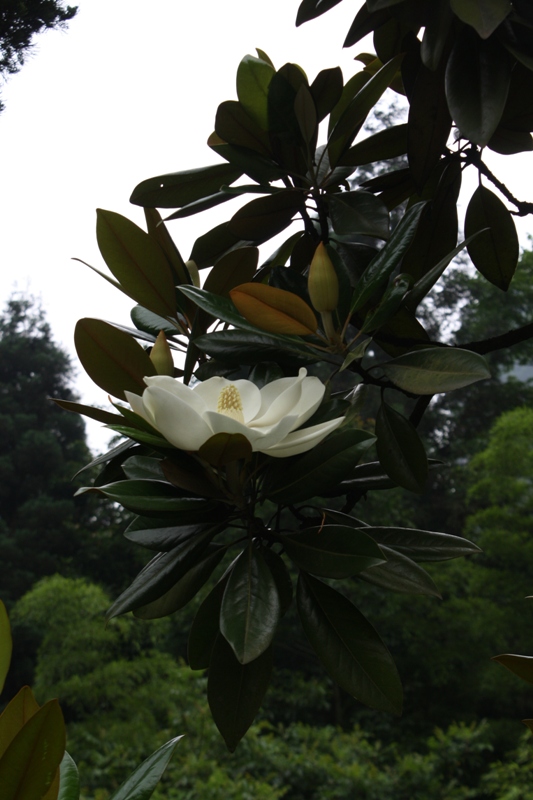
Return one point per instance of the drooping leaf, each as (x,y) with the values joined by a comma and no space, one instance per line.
(180,188)
(224,448)
(429,125)
(161,574)
(282,578)
(359,212)
(436,369)
(112,359)
(495,251)
(437,30)
(519,665)
(400,449)
(332,551)
(309,9)
(6,645)
(388,143)
(235,691)
(161,539)
(250,608)
(478,75)
(185,588)
(318,470)
(137,262)
(509,142)
(400,574)
(348,646)
(206,627)
(422,545)
(30,762)
(140,785)
(143,496)
(274,310)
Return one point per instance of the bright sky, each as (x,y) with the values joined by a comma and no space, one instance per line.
(130,91)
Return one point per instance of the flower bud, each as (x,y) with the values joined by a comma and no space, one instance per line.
(161,356)
(194,275)
(322,282)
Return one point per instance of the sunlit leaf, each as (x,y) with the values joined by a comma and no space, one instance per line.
(436,369)
(274,310)
(141,784)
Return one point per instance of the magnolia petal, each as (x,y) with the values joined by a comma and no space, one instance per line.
(222,423)
(176,419)
(250,395)
(278,399)
(275,433)
(302,441)
(179,390)
(312,393)
(137,405)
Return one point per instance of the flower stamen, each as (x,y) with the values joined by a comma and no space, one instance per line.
(230,403)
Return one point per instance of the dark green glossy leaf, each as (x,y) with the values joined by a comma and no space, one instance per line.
(250,608)
(235,691)
(332,551)
(282,578)
(141,496)
(437,30)
(231,270)
(29,763)
(477,82)
(89,411)
(306,114)
(143,468)
(348,646)
(244,347)
(383,264)
(364,23)
(483,16)
(265,217)
(161,574)
(281,255)
(518,665)
(259,168)
(142,782)
(429,125)
(264,373)
(494,252)
(143,437)
(152,323)
(206,627)
(137,262)
(235,126)
(321,468)
(509,142)
(422,545)
(388,305)
(165,538)
(214,244)
(111,358)
(436,369)
(309,9)
(400,449)
(185,588)
(180,188)
(427,281)
(69,780)
(354,85)
(159,232)
(253,79)
(388,143)
(400,574)
(198,206)
(326,90)
(352,119)
(187,473)
(359,212)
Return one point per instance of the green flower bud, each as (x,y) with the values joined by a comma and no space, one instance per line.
(322,282)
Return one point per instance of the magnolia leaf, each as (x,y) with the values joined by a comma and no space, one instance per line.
(253,78)
(359,212)
(223,448)
(250,608)
(235,691)
(436,369)
(15,715)
(111,358)
(180,188)
(400,449)
(30,762)
(388,143)
(206,627)
(420,545)
(234,268)
(141,783)
(332,551)
(261,219)
(326,90)
(348,646)
(400,574)
(519,665)
(274,310)
(495,251)
(137,262)
(69,779)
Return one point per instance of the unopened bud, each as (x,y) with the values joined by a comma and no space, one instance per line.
(194,275)
(322,282)
(161,356)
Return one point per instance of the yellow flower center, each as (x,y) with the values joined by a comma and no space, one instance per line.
(230,403)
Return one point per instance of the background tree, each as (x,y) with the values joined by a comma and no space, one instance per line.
(20,22)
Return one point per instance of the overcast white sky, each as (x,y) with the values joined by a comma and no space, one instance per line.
(130,91)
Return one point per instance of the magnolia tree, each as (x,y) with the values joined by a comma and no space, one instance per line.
(236,392)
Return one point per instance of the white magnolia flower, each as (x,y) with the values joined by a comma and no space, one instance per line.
(268,417)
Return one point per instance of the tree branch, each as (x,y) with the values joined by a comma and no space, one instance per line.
(474,157)
(505,340)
